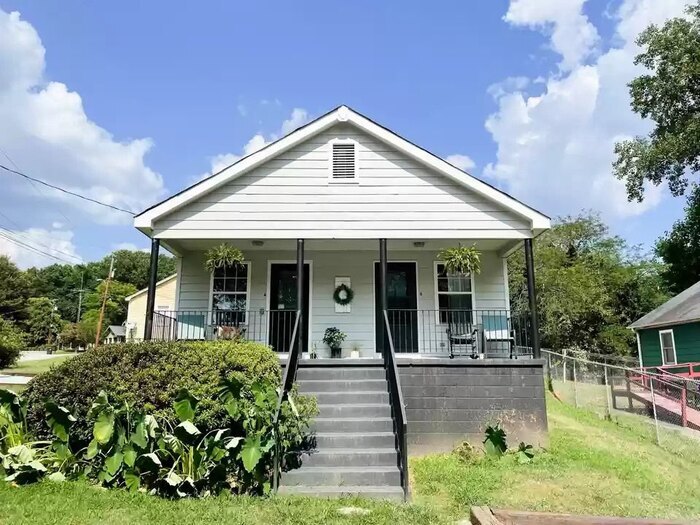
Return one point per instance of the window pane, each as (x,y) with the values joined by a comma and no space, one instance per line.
(229,302)
(219,272)
(231,285)
(219,285)
(454,302)
(666,339)
(459,283)
(242,284)
(668,356)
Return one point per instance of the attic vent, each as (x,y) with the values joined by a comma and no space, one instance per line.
(343,161)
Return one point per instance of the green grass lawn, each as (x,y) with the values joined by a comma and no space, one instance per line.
(592,466)
(32,368)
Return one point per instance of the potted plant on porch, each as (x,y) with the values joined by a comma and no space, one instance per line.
(221,256)
(334,338)
(461,260)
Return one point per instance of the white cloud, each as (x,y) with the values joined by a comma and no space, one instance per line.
(58,243)
(129,246)
(572,34)
(298,117)
(462,162)
(555,146)
(47,133)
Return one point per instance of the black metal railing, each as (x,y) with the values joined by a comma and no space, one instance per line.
(398,408)
(480,333)
(290,372)
(273,327)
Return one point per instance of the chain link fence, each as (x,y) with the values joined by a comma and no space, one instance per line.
(663,407)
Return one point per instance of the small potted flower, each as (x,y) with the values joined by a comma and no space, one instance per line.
(334,338)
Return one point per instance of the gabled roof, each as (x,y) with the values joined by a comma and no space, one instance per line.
(117,330)
(683,308)
(158,284)
(145,220)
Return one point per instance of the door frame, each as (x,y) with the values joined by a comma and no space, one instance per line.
(310,262)
(374,299)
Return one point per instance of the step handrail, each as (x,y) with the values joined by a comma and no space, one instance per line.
(398,407)
(290,372)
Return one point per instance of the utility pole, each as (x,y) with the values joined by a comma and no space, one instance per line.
(104,302)
(80,297)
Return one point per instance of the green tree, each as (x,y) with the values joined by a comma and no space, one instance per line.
(590,286)
(14,290)
(669,95)
(62,283)
(73,335)
(680,248)
(12,340)
(133,267)
(116,305)
(43,321)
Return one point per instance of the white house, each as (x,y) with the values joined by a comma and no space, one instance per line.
(343,208)
(336,187)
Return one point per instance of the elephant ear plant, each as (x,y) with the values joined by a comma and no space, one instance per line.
(461,260)
(24,460)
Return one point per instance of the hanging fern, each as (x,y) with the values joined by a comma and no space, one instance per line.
(222,255)
(461,259)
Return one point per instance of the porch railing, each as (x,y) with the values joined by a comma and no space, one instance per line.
(480,333)
(290,372)
(273,327)
(398,408)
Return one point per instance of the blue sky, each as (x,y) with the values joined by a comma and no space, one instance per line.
(532,91)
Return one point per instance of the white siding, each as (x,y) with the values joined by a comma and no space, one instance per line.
(490,288)
(291,196)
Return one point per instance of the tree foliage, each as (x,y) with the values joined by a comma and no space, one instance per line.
(14,290)
(589,285)
(43,320)
(669,95)
(680,248)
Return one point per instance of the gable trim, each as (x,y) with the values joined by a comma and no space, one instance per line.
(144,221)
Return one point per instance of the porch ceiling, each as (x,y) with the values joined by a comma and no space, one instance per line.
(190,245)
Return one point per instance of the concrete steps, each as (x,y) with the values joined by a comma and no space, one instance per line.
(354,434)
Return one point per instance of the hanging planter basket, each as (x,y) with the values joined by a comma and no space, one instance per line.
(461,260)
(221,256)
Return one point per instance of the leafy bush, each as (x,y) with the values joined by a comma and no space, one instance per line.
(495,441)
(25,460)
(148,376)
(12,340)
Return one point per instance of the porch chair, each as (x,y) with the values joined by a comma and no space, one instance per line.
(498,340)
(462,335)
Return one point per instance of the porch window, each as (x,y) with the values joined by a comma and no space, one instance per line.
(668,347)
(230,286)
(454,292)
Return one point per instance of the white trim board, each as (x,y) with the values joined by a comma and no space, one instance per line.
(145,220)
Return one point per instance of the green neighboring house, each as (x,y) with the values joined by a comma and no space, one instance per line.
(670,334)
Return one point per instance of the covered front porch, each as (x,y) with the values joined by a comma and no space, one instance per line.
(397,283)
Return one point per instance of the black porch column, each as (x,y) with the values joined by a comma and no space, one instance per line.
(300,294)
(531,294)
(151,297)
(382,286)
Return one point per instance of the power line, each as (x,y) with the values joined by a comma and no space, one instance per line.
(32,248)
(29,240)
(35,187)
(117,208)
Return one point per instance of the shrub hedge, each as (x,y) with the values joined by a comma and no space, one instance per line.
(148,375)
